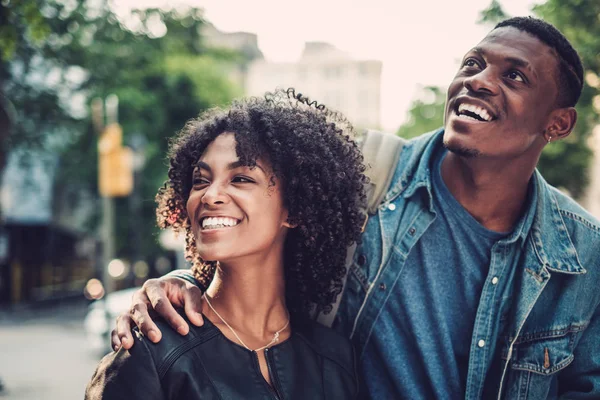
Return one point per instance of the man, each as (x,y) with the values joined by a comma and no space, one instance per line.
(476,279)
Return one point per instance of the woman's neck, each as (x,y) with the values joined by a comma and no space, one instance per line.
(250,297)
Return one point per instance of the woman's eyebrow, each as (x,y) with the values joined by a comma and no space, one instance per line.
(230,166)
(238,164)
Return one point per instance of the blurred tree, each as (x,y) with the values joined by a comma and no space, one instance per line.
(154,60)
(425,114)
(564,164)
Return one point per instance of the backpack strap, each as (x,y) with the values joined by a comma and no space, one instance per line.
(381,152)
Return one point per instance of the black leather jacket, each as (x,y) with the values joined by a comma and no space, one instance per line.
(314,363)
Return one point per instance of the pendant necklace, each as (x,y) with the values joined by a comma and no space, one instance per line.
(272,342)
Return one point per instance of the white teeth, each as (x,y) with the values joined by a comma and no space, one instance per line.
(218,222)
(481,112)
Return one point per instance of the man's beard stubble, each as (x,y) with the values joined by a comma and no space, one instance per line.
(462,151)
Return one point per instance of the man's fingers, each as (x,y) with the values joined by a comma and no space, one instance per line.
(139,315)
(162,305)
(122,335)
(192,302)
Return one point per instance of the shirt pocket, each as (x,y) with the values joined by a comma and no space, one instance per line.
(536,362)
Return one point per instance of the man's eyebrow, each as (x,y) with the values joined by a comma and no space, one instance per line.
(516,61)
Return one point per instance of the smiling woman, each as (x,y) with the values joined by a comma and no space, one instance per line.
(269,195)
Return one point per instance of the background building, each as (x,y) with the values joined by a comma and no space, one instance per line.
(328,75)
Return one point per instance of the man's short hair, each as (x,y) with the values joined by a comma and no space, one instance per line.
(570,74)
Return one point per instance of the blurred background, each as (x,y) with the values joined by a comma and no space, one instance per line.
(91,91)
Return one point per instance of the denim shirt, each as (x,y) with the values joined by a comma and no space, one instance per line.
(537,329)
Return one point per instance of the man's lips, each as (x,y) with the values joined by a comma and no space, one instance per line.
(473,109)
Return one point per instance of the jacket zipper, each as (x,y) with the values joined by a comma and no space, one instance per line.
(272,389)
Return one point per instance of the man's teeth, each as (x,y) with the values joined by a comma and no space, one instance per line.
(218,222)
(479,111)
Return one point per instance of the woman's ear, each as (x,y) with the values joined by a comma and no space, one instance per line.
(290,223)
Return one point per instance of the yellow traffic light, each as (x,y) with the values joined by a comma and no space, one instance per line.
(115,169)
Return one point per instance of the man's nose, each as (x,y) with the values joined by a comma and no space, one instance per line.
(482,82)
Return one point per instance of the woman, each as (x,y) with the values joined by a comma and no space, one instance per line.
(268,193)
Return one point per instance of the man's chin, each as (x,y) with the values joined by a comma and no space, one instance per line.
(460,150)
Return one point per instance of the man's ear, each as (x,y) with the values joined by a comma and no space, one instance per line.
(562,122)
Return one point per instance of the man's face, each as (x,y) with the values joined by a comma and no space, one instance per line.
(500,101)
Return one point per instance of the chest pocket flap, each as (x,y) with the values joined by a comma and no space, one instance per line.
(543,354)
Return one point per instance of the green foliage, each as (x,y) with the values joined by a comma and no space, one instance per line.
(492,14)
(153,60)
(425,114)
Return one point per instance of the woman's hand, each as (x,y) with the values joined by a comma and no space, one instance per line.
(160,295)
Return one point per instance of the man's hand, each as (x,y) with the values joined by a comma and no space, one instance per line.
(159,295)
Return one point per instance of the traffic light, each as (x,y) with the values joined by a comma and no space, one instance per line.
(115,169)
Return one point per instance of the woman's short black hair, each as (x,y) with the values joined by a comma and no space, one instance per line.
(313,155)
(570,73)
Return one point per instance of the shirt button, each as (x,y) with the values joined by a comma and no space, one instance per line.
(481,343)
(382,286)
(494,280)
(391,206)
(362,260)
(412,231)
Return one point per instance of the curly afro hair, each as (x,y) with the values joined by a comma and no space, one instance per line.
(320,167)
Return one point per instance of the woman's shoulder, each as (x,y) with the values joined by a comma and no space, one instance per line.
(172,342)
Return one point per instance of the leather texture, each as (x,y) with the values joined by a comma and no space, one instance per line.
(314,363)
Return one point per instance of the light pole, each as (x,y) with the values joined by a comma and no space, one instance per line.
(115,179)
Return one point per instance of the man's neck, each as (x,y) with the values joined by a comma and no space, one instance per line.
(494,192)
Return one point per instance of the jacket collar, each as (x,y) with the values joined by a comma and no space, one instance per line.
(542,223)
(549,235)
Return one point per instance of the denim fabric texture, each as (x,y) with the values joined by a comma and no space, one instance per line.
(537,326)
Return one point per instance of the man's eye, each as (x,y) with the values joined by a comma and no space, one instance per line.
(471,62)
(515,76)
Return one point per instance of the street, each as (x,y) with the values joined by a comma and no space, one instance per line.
(43,354)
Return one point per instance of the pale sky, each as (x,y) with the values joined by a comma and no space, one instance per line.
(419,42)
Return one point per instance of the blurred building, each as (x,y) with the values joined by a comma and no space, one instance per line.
(328,75)
(245,44)
(40,258)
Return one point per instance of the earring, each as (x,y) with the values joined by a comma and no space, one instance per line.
(549,139)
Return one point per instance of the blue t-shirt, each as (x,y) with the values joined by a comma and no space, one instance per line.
(432,307)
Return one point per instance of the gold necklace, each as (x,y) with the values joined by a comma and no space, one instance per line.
(272,342)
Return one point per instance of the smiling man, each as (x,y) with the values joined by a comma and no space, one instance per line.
(476,278)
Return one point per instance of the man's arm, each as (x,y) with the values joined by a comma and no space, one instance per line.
(179,289)
(581,379)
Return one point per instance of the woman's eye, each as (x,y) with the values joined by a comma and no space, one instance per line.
(515,76)
(198,181)
(242,179)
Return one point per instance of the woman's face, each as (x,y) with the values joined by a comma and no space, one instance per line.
(235,211)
